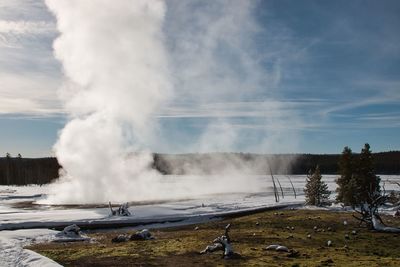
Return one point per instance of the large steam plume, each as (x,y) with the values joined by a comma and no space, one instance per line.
(122,72)
(116,68)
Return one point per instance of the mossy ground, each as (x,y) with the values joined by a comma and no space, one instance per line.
(180,246)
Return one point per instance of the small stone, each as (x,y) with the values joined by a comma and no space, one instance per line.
(290,236)
(346,236)
(119,239)
(254,234)
(257,223)
(354,232)
(292,228)
(329,229)
(344,222)
(196,228)
(315,228)
(308,236)
(282,249)
(346,247)
(288,227)
(272,247)
(276,214)
(329,243)
(293,254)
(327,261)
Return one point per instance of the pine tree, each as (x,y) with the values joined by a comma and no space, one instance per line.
(346,189)
(316,190)
(365,179)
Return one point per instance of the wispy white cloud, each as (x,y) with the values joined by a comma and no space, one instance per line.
(29,94)
(26,27)
(29,74)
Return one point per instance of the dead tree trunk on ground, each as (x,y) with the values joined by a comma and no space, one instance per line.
(222,243)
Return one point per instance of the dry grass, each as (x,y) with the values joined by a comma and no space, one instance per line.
(180,246)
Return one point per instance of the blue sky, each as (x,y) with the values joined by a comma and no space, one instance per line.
(326,74)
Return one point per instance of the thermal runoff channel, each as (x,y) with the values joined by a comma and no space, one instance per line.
(124,62)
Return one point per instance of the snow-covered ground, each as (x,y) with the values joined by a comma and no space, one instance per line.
(18,211)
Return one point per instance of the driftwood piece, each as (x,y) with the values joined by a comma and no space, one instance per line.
(369,214)
(222,243)
(122,210)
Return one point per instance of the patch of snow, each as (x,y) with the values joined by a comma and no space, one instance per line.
(13,254)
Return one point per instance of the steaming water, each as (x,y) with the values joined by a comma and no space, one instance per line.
(16,202)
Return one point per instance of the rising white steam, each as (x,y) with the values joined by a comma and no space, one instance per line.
(115,62)
(124,62)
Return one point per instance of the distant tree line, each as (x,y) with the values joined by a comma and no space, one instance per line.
(209,163)
(20,171)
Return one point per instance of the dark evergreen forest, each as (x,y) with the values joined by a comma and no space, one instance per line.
(22,171)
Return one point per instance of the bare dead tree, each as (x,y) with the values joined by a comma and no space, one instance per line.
(294,191)
(222,243)
(280,187)
(369,214)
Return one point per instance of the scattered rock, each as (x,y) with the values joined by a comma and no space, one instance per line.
(292,228)
(329,229)
(293,253)
(142,235)
(397,213)
(196,228)
(290,236)
(276,247)
(344,222)
(346,236)
(272,247)
(119,239)
(327,261)
(257,223)
(282,249)
(315,228)
(354,232)
(71,233)
(329,243)
(308,236)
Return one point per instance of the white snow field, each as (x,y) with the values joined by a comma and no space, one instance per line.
(23,222)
